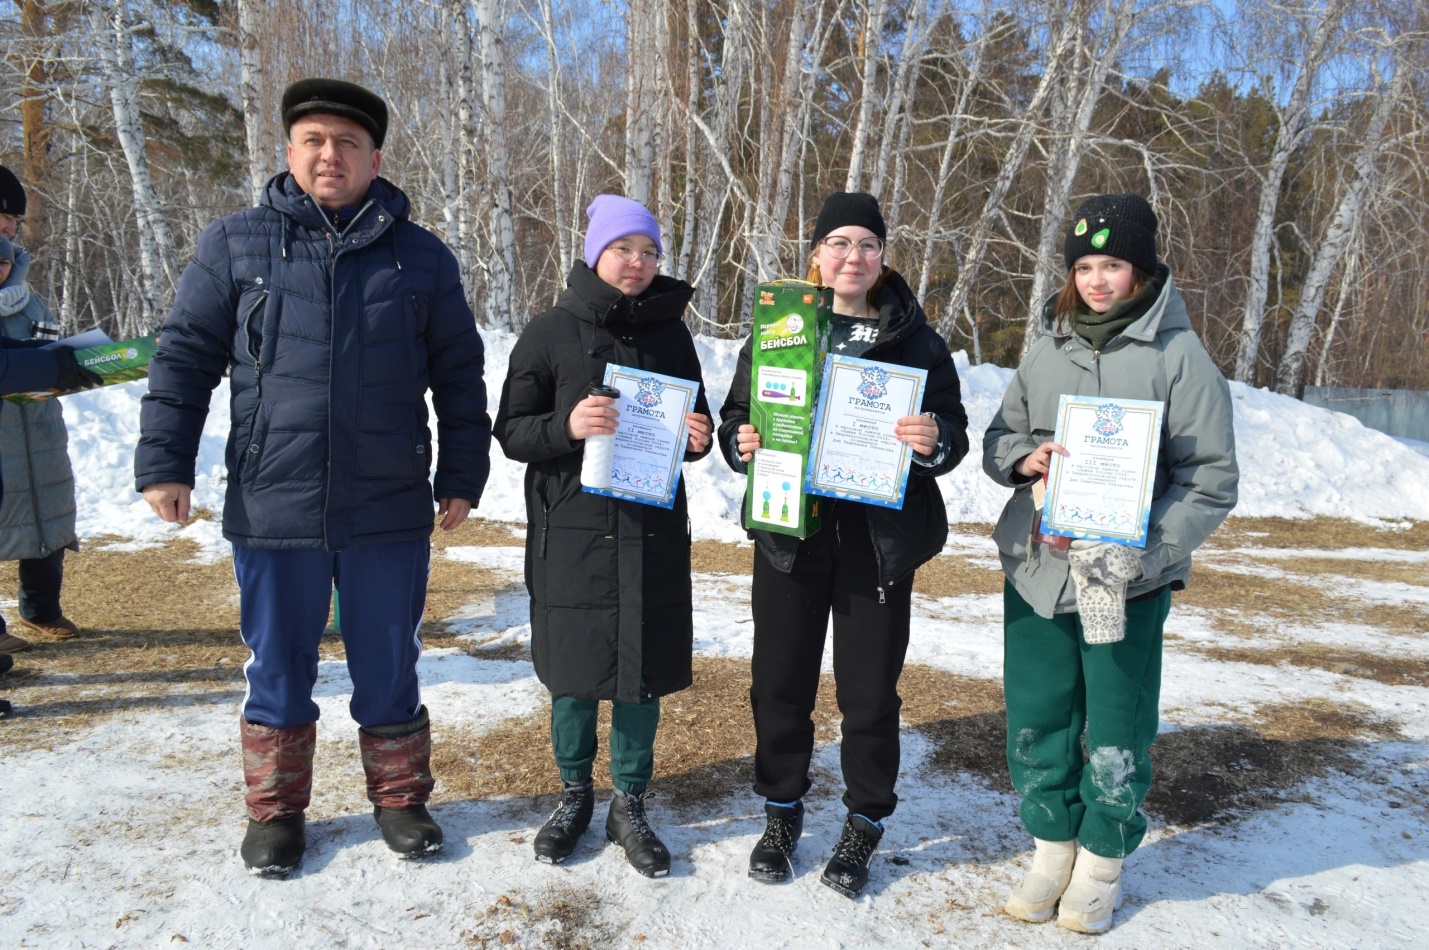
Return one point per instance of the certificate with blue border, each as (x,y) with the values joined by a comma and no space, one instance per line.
(650,437)
(1101,490)
(854,453)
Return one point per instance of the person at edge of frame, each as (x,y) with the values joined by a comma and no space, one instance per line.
(334,315)
(24,367)
(609,579)
(1082,630)
(39,522)
(859,566)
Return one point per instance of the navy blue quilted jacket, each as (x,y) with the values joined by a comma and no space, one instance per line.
(332,340)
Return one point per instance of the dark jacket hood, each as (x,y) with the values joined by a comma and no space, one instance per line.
(593,301)
(283,195)
(899,313)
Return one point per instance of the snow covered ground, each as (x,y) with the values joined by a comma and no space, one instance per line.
(125,832)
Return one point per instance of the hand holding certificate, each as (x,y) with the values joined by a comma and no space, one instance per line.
(650,439)
(855,452)
(1101,489)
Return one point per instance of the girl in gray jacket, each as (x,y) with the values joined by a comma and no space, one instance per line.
(1083,629)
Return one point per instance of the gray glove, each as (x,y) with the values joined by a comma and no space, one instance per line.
(1100,573)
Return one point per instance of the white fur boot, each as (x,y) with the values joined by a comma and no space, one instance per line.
(1037,895)
(1094,893)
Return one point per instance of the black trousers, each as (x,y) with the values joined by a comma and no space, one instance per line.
(40,580)
(835,572)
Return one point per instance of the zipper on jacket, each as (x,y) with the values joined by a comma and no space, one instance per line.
(248,342)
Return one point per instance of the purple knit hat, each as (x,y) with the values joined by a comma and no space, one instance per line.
(613,217)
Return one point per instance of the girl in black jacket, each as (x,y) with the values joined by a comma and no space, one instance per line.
(611,609)
(859,565)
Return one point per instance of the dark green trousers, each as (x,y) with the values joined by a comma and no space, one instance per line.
(1056,686)
(632,740)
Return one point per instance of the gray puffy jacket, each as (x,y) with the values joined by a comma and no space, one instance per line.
(37,515)
(1157,357)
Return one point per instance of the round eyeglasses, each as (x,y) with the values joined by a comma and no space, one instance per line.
(631,256)
(840,248)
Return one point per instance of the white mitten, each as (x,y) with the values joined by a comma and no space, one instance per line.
(1108,563)
(1100,573)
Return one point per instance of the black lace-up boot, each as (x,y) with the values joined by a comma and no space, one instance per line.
(769,861)
(558,836)
(847,870)
(627,826)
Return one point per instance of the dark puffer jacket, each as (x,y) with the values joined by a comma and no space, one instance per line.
(332,340)
(903,539)
(609,579)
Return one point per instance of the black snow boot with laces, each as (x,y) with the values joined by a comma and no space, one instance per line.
(627,826)
(847,870)
(558,836)
(769,861)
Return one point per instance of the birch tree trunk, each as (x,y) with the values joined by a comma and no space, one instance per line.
(1295,117)
(1059,49)
(1337,238)
(870,43)
(908,66)
(645,21)
(1084,93)
(250,98)
(501,292)
(555,128)
(156,242)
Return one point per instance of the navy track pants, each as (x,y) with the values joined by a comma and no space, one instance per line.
(283,608)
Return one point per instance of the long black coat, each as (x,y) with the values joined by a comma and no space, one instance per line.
(903,539)
(609,579)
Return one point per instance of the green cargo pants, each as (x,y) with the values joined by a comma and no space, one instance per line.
(632,740)
(1055,685)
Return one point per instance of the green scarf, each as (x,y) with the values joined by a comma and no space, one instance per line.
(1099,329)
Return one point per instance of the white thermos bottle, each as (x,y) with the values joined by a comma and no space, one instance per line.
(599,449)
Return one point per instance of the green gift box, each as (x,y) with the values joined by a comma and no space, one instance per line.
(791,339)
(120,362)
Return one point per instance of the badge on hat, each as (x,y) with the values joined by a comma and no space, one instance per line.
(1081,228)
(1100,238)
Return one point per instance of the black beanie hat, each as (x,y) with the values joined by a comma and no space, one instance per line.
(335,97)
(12,193)
(843,208)
(1121,226)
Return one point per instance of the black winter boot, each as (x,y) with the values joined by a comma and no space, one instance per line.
(409,830)
(558,836)
(769,861)
(627,826)
(273,848)
(847,870)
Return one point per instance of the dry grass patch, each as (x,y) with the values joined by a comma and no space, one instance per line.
(480,533)
(953,575)
(1390,670)
(1324,533)
(563,918)
(1323,568)
(1251,605)
(703,751)
(721,557)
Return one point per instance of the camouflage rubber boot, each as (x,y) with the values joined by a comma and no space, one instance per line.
(278,771)
(398,763)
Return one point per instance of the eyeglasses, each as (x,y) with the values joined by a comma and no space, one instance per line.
(840,248)
(631,256)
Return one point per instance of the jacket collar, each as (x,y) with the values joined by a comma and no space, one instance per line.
(899,313)
(594,301)
(283,195)
(1167,313)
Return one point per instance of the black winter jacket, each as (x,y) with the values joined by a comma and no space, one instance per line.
(903,539)
(332,340)
(609,579)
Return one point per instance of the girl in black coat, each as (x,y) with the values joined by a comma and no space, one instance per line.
(611,609)
(859,566)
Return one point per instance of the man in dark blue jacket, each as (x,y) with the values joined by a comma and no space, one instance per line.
(334,315)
